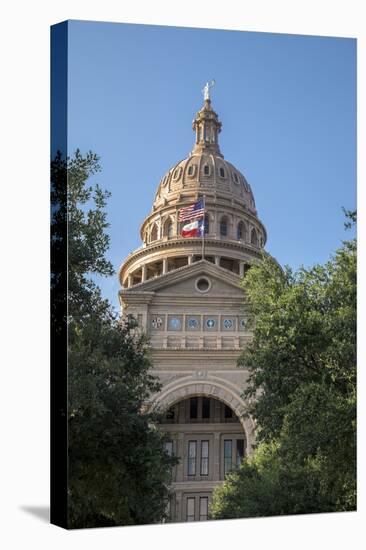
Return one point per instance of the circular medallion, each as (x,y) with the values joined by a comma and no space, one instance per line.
(157,322)
(210,323)
(228,323)
(192,323)
(175,323)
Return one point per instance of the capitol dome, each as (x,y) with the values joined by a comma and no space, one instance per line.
(234,235)
(205,170)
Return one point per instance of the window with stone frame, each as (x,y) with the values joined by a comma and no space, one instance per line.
(254,237)
(240,234)
(204,457)
(203,508)
(228,456)
(239,451)
(190,516)
(168,228)
(154,233)
(224,226)
(207,224)
(192,457)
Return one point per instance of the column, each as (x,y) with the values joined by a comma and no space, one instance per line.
(241,269)
(217,224)
(165,265)
(190,259)
(217,260)
(176,223)
(129,281)
(143,273)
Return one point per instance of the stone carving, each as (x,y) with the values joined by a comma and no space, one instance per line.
(206,89)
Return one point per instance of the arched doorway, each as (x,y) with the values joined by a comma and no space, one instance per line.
(208,435)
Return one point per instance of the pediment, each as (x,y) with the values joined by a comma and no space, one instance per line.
(183,281)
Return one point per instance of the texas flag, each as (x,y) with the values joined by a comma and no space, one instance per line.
(193,229)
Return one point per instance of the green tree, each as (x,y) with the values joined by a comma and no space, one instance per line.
(301,390)
(118,469)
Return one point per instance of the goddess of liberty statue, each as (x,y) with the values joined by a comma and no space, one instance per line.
(206,89)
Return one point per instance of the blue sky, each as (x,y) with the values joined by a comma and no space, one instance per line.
(288,108)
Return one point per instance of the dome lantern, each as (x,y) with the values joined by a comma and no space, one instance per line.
(207,127)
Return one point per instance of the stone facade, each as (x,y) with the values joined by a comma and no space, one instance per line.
(186,294)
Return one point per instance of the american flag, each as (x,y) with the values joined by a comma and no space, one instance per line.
(192,212)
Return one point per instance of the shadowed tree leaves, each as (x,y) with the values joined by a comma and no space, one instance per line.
(301,389)
(118,469)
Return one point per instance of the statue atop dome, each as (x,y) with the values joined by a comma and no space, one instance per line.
(206,90)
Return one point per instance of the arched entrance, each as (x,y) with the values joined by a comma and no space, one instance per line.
(207,431)
(211,387)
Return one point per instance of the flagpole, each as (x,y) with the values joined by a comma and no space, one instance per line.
(203,232)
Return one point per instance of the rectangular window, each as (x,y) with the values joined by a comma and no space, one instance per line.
(169,447)
(203,508)
(239,451)
(228,454)
(192,454)
(190,508)
(204,458)
(206,407)
(193,407)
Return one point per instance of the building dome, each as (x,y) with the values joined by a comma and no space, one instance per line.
(205,171)
(234,235)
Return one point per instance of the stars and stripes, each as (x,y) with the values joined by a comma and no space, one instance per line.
(192,212)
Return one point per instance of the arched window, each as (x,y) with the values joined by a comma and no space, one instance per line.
(207,224)
(177,173)
(190,170)
(206,170)
(168,228)
(240,233)
(154,233)
(254,237)
(222,172)
(223,226)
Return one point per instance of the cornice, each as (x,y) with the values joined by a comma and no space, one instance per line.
(183,354)
(181,243)
(136,297)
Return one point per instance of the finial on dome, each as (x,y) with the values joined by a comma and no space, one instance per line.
(206,90)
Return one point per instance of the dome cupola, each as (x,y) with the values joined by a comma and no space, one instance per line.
(207,127)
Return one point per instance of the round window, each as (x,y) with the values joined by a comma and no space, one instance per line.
(203,284)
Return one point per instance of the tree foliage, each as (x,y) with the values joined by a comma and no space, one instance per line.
(118,469)
(301,391)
